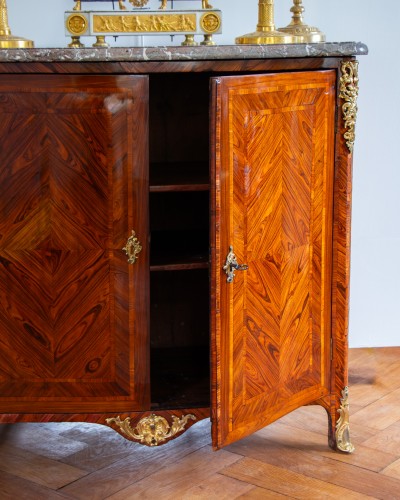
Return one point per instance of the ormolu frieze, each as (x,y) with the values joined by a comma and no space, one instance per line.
(144,22)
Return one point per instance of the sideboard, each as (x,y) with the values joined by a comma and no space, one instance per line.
(175,236)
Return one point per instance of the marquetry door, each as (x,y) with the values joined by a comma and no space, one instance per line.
(73,187)
(273,171)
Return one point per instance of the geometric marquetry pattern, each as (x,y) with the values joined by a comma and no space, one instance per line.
(278,177)
(63,223)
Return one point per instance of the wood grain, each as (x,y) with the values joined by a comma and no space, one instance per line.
(387,439)
(274,177)
(287,435)
(72,314)
(384,412)
(313,465)
(39,470)
(261,494)
(171,481)
(75,184)
(215,66)
(284,481)
(14,487)
(217,486)
(290,455)
(142,462)
(393,470)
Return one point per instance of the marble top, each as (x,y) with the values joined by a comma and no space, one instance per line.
(179,53)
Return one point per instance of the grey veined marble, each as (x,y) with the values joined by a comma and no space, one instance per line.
(174,53)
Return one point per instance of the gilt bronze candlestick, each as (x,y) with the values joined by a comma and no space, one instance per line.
(7,40)
(303,32)
(266,32)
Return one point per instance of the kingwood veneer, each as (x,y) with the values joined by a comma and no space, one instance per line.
(92,151)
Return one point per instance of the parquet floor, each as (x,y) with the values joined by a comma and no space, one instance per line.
(287,459)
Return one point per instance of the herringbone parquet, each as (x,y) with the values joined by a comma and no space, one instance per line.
(290,458)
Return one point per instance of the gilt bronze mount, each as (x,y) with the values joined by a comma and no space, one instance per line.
(152,430)
(343,442)
(232,265)
(100,24)
(132,248)
(349,93)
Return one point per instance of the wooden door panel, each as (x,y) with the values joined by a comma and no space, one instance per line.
(73,183)
(273,203)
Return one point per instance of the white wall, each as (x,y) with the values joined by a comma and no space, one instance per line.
(375,304)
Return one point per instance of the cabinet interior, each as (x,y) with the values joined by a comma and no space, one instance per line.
(179,240)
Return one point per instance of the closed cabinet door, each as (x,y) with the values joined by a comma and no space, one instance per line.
(273,168)
(73,187)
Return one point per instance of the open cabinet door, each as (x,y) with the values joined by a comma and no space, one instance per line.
(272,195)
(73,187)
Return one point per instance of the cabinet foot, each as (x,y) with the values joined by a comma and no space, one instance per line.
(343,442)
(337,409)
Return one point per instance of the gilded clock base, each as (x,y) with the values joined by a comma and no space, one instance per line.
(76,43)
(265,38)
(101,42)
(189,41)
(208,40)
(15,42)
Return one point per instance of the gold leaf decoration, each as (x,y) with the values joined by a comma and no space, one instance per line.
(342,426)
(151,430)
(139,3)
(349,92)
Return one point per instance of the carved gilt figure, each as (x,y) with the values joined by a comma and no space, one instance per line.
(204,4)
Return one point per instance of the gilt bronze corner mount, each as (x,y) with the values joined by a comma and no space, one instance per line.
(343,442)
(349,93)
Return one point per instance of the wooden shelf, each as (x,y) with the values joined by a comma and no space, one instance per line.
(179,250)
(186,259)
(180,176)
(180,266)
